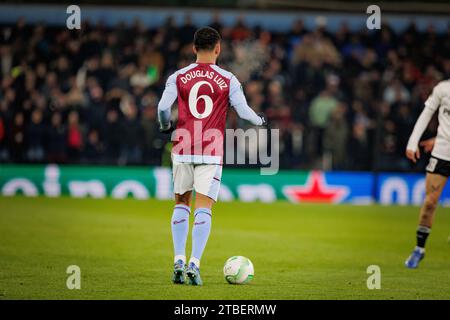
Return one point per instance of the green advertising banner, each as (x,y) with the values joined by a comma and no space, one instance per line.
(156,182)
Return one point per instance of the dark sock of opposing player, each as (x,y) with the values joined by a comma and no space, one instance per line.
(422,234)
(180,230)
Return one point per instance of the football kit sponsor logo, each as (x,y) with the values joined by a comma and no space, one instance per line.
(179,221)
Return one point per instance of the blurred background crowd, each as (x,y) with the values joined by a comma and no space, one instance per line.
(342,100)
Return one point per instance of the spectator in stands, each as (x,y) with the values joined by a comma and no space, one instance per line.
(73,85)
(4,153)
(17,136)
(131,152)
(359,148)
(113,135)
(152,143)
(56,140)
(336,138)
(94,150)
(74,137)
(35,136)
(320,111)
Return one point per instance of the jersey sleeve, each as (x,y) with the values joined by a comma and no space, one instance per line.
(431,105)
(239,103)
(169,96)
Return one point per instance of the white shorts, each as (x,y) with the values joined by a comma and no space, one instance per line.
(203,178)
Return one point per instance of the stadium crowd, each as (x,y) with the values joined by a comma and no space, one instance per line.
(342,100)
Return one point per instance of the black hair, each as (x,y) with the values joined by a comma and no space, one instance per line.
(206,38)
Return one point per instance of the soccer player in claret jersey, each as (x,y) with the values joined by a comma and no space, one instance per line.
(204,92)
(438,168)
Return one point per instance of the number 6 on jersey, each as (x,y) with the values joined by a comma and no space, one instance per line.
(193,100)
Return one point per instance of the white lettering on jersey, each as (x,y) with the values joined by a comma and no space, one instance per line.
(193,100)
(204,74)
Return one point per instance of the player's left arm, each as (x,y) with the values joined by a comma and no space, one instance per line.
(239,103)
(165,104)
(431,105)
(428,144)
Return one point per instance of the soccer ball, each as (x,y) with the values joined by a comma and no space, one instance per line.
(238,270)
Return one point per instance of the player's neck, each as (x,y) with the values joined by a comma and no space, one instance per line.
(206,57)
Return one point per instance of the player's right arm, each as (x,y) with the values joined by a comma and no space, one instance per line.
(431,105)
(169,96)
(239,103)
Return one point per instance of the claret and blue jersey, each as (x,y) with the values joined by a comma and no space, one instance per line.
(203,92)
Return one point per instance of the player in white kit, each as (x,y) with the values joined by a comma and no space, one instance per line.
(438,169)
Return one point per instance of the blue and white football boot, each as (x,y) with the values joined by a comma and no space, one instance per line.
(193,274)
(416,256)
(178,272)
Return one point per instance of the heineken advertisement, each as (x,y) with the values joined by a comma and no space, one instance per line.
(237,184)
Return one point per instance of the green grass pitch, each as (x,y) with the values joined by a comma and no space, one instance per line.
(124,250)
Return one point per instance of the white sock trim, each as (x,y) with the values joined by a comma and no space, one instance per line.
(424,229)
(179,257)
(422,250)
(195,261)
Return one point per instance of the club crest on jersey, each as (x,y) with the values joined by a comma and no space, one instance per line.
(446,111)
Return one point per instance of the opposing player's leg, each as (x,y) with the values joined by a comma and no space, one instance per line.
(435,183)
(183,184)
(206,185)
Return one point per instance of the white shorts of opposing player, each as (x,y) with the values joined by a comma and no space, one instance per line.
(203,178)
